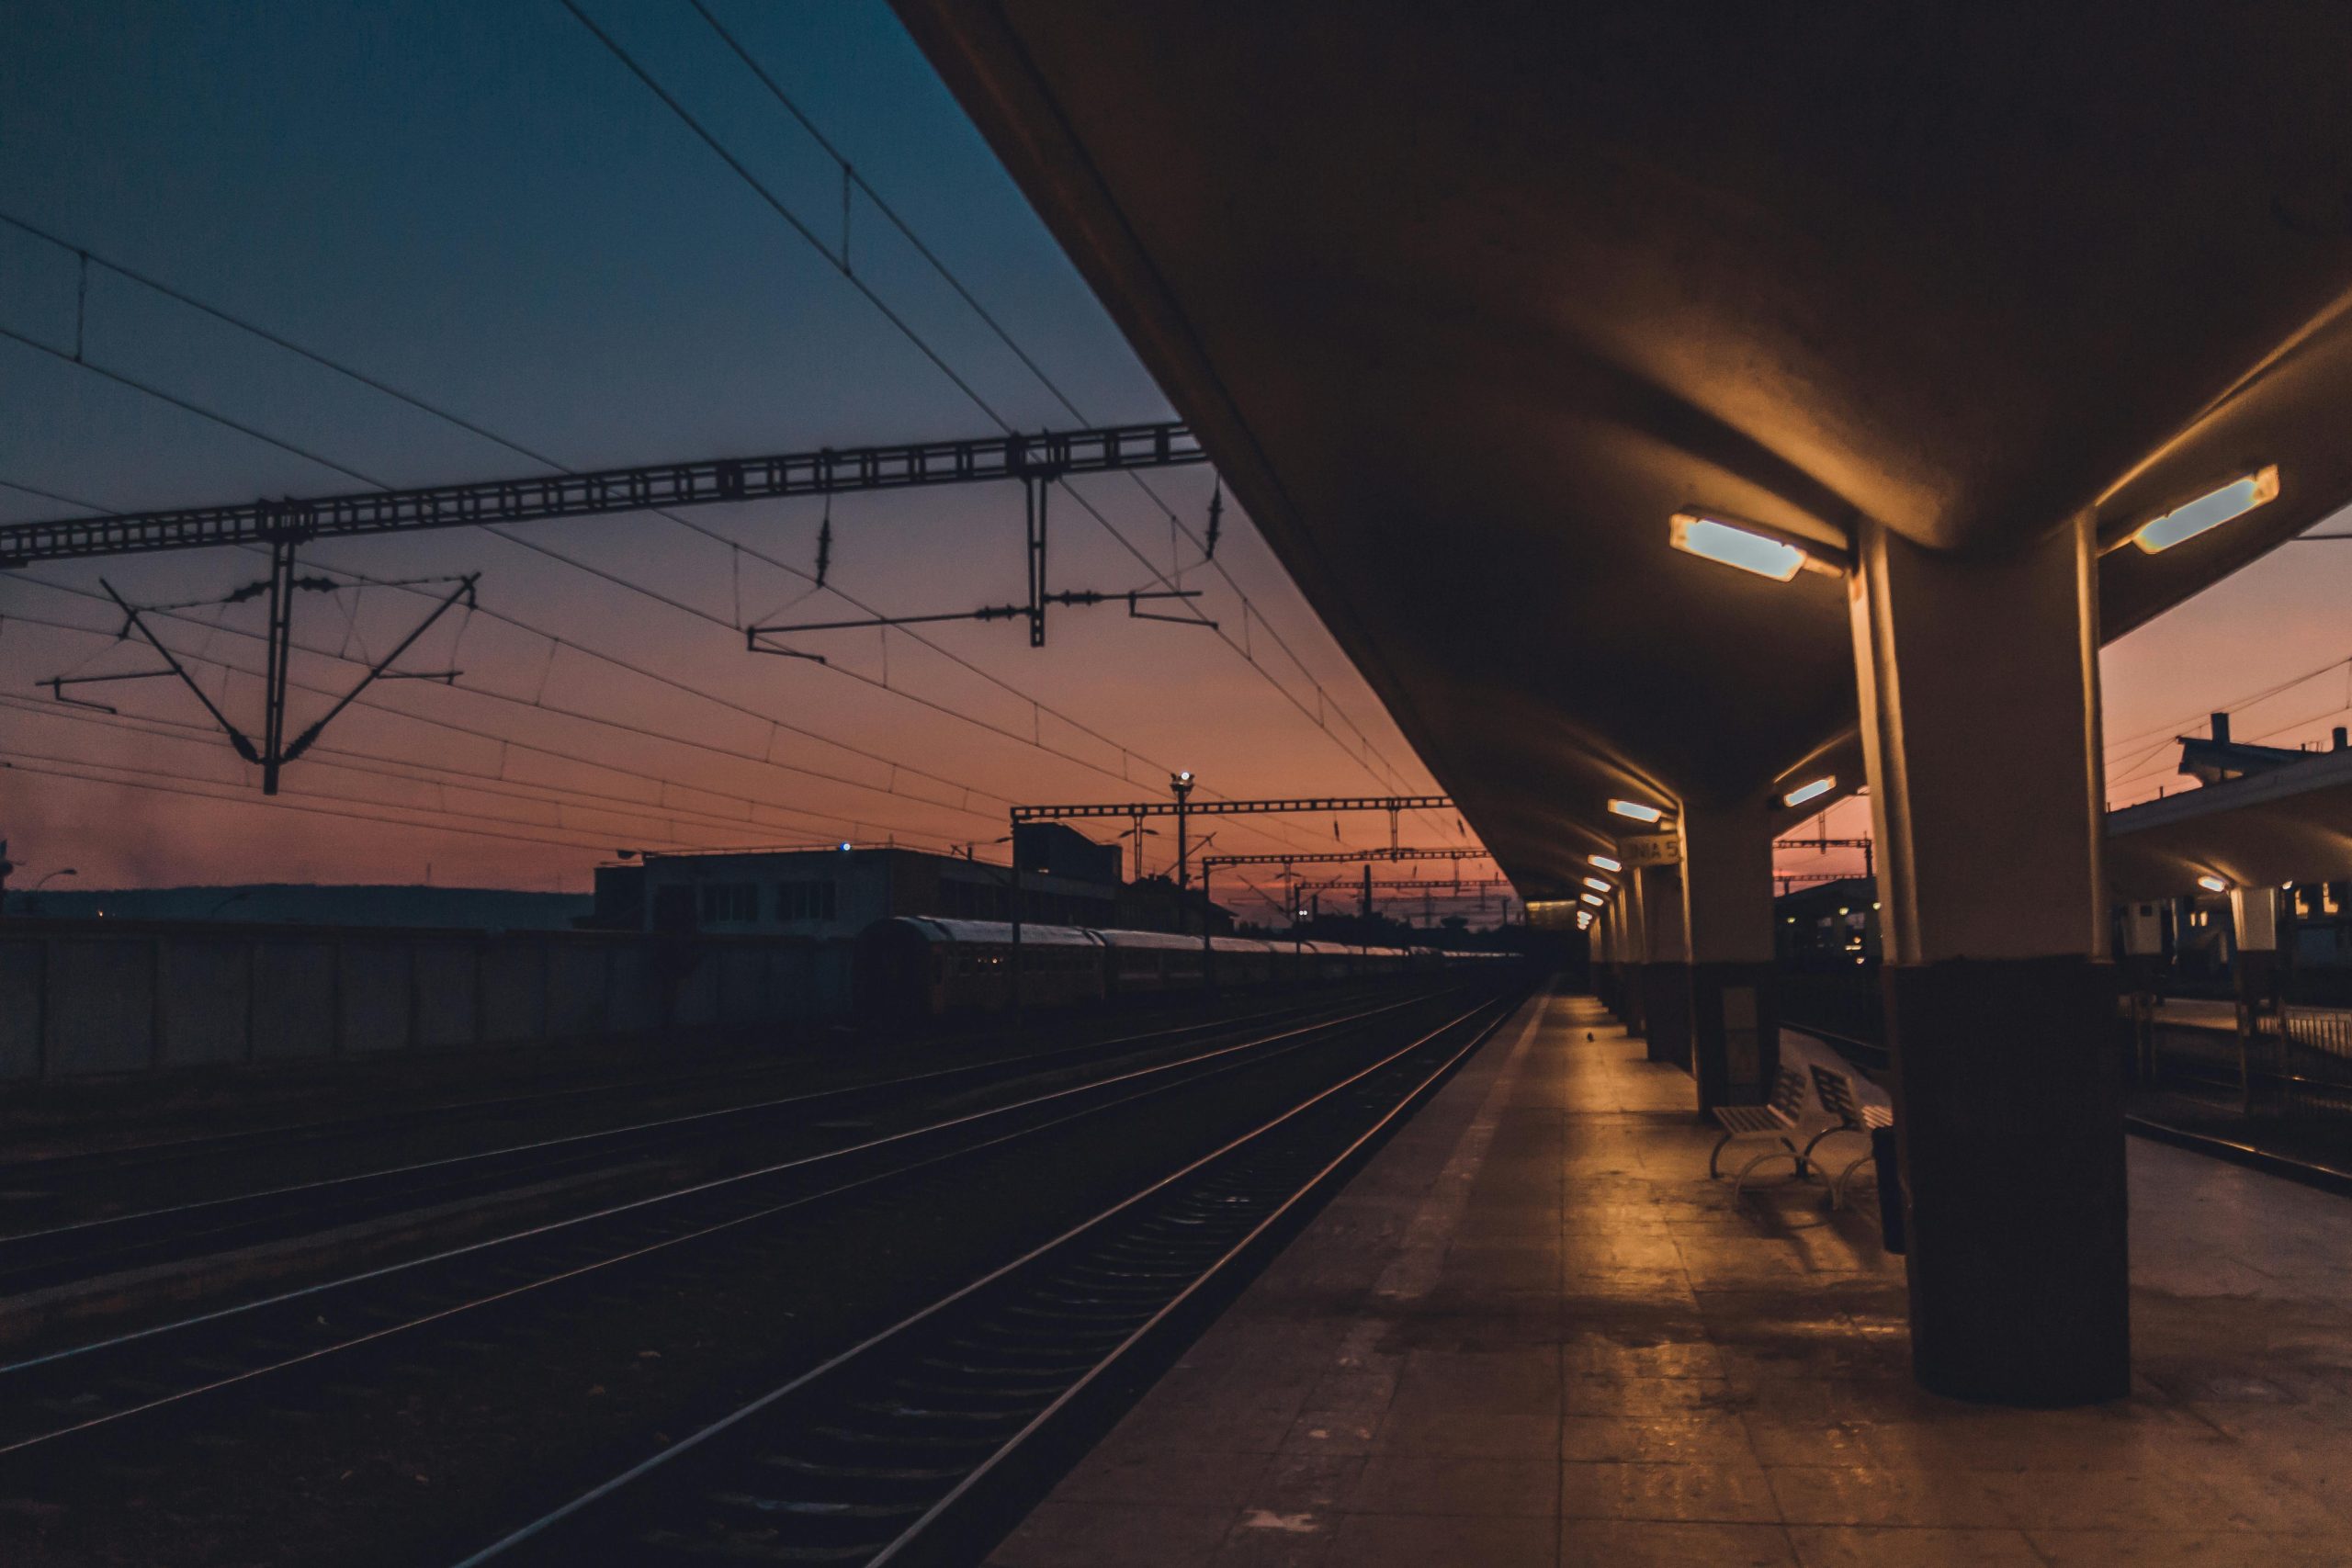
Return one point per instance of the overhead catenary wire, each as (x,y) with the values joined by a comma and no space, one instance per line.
(623,726)
(794,221)
(97,772)
(556,639)
(849,174)
(403,769)
(476,428)
(434,813)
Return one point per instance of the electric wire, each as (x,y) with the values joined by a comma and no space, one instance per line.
(1029,363)
(380,765)
(227,422)
(708,138)
(645,673)
(540,704)
(475,428)
(95,773)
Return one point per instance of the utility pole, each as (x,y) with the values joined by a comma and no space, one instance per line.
(281,639)
(274,750)
(1014,841)
(1366,910)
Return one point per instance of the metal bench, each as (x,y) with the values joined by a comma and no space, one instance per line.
(1777,1120)
(1855,1115)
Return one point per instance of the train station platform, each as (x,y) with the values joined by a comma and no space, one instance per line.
(1532,1331)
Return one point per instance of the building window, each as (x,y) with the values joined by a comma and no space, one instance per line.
(805,900)
(723,902)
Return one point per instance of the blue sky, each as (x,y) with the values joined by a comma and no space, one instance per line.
(481,206)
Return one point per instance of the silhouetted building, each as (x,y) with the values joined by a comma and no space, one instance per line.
(840,892)
(1055,849)
(2215,759)
(312,904)
(1157,904)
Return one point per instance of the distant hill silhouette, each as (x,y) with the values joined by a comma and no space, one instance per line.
(307,903)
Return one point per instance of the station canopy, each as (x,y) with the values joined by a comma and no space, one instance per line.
(1466,301)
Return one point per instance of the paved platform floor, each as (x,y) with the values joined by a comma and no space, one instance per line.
(1532,1331)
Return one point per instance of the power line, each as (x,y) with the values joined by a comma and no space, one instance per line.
(377,764)
(645,673)
(438,811)
(539,704)
(17,763)
(849,174)
(477,429)
(708,138)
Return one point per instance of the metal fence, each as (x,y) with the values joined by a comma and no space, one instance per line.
(2292,1061)
(2289,1061)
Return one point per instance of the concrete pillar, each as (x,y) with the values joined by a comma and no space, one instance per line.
(1666,967)
(2254,931)
(1728,905)
(1979,684)
(1603,947)
(1633,925)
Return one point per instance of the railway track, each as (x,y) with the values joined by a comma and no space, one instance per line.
(138,1399)
(923,1442)
(32,1261)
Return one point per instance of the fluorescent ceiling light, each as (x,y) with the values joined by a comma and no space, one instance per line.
(1636,811)
(1594,899)
(1606,863)
(2212,884)
(2233,500)
(1751,546)
(1598,886)
(1813,791)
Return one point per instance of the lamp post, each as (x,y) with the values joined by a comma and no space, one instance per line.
(1181,786)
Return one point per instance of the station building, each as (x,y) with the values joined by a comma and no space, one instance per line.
(1066,879)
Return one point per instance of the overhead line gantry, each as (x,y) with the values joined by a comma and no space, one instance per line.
(828,471)
(282,526)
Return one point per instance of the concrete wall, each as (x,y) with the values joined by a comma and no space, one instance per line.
(77,1000)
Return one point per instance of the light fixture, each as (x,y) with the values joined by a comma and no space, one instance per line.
(2233,500)
(1636,811)
(2212,884)
(1598,886)
(1594,899)
(1813,791)
(1751,546)
(1605,863)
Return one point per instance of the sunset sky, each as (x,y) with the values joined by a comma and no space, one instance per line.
(480,206)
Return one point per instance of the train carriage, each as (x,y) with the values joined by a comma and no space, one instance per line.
(926,966)
(1141,963)
(921,966)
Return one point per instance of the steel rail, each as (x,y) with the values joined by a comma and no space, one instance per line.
(539,1539)
(1171,1076)
(421,1182)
